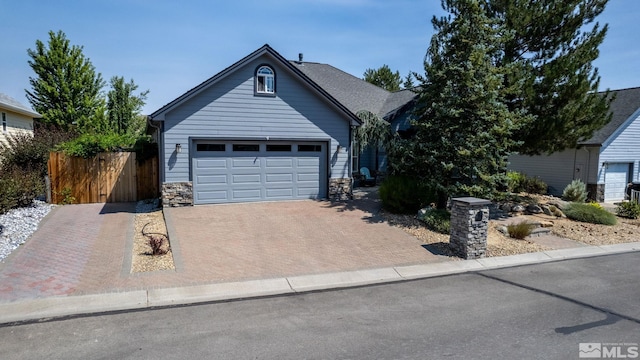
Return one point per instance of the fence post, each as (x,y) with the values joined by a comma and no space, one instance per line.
(469,227)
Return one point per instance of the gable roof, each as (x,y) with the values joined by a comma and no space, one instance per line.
(14,105)
(355,93)
(626,102)
(266,49)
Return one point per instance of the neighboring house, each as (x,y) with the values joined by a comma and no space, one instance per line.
(266,129)
(15,117)
(606,162)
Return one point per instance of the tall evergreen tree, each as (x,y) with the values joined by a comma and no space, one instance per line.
(464,128)
(408,81)
(123,106)
(552,50)
(384,78)
(66,89)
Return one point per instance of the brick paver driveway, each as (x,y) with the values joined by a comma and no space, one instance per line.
(261,240)
(83,249)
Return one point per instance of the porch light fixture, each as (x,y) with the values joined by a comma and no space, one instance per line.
(178,148)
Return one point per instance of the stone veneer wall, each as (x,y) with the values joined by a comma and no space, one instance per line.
(177,194)
(596,192)
(340,189)
(469,227)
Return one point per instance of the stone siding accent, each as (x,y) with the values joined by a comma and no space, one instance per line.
(177,194)
(469,227)
(340,189)
(596,192)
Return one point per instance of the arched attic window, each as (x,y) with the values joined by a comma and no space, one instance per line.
(265,81)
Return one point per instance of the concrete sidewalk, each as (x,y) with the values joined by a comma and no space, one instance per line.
(61,306)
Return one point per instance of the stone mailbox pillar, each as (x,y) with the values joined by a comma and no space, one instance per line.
(469,226)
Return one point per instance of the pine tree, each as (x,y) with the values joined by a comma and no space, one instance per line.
(551,53)
(123,106)
(384,78)
(66,89)
(464,128)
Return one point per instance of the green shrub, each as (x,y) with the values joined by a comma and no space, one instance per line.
(89,145)
(404,194)
(535,185)
(575,192)
(31,152)
(515,181)
(438,220)
(18,188)
(520,230)
(629,210)
(519,182)
(589,214)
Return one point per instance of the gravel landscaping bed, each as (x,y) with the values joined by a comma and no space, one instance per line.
(149,220)
(18,224)
(626,230)
(497,243)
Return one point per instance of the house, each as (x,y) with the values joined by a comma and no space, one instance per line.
(264,129)
(606,162)
(15,117)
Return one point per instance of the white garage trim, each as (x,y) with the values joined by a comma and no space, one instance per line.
(230,171)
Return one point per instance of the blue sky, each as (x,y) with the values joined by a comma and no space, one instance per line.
(168,47)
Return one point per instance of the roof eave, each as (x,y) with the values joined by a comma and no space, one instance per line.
(20,110)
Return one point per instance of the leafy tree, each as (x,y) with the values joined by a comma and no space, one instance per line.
(552,48)
(384,78)
(66,89)
(463,127)
(123,106)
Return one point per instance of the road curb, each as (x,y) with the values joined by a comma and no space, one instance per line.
(62,306)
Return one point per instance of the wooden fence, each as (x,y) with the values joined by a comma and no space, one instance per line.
(108,177)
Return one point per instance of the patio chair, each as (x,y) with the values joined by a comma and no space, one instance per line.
(367,179)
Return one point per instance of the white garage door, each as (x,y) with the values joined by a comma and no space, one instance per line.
(241,171)
(616,178)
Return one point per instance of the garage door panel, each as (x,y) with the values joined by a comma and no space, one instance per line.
(240,176)
(284,193)
(212,195)
(212,179)
(308,162)
(283,163)
(253,179)
(280,178)
(250,194)
(211,164)
(308,178)
(253,162)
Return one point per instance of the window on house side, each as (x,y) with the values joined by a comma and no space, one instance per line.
(4,122)
(265,80)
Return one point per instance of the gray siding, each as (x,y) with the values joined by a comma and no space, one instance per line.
(623,147)
(230,110)
(557,169)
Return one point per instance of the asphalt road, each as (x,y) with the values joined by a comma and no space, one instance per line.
(530,312)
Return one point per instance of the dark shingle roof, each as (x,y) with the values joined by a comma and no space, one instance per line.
(626,102)
(354,93)
(12,104)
